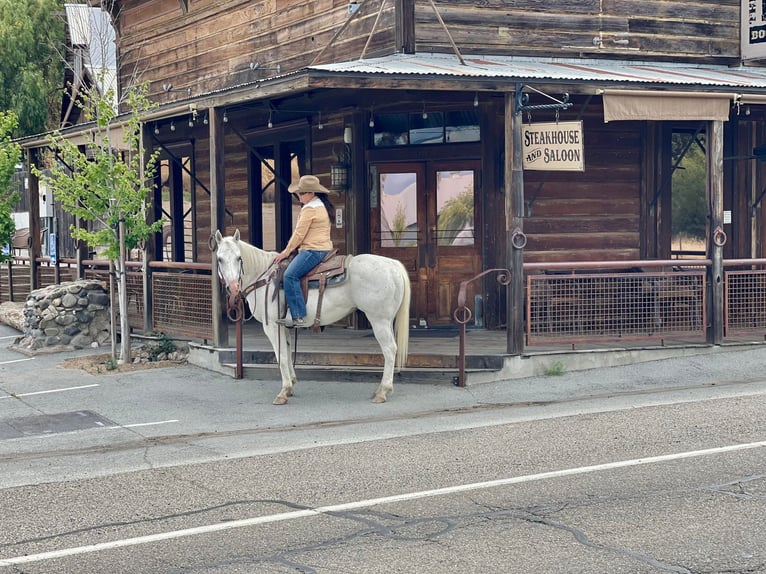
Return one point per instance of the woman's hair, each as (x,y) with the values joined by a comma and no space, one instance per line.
(327,205)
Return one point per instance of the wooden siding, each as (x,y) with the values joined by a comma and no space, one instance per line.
(212,46)
(593,215)
(680,30)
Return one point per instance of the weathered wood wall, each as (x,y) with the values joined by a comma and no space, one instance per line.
(702,30)
(213,44)
(593,215)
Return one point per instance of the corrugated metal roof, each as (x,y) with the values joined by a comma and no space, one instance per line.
(595,71)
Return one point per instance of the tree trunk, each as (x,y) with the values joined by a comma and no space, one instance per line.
(122,294)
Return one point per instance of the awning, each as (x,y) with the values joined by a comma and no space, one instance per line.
(661,105)
(631,90)
(598,72)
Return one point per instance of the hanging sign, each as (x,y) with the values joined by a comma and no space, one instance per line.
(553,146)
(753,30)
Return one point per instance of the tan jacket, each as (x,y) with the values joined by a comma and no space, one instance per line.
(312,230)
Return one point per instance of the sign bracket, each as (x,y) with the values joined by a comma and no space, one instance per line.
(522,101)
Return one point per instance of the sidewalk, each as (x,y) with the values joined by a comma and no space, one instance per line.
(433,355)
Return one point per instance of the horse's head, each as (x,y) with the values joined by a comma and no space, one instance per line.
(229,257)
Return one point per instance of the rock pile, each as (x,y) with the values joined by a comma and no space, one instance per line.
(71,315)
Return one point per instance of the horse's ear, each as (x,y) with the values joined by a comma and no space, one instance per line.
(215,240)
(236,235)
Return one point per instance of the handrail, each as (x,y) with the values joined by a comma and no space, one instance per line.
(463,314)
(644,263)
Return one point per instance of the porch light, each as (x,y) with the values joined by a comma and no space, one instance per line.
(339,179)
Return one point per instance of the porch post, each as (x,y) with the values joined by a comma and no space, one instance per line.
(220,329)
(514,223)
(35,250)
(150,246)
(716,235)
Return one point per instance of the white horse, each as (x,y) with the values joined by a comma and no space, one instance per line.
(376,285)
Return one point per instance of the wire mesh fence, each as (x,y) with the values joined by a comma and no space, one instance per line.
(606,306)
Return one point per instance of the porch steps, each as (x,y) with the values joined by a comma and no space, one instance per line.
(343,366)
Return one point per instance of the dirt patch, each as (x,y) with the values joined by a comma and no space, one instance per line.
(102,364)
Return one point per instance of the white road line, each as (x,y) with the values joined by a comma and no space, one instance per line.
(16,361)
(284,516)
(134,425)
(10,337)
(16,395)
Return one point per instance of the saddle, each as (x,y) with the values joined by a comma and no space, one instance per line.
(330,272)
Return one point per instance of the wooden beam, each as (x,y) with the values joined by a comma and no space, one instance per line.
(514,223)
(716,234)
(217,206)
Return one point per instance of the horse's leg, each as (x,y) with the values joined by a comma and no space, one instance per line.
(279,338)
(384,334)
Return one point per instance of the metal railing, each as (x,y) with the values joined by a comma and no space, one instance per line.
(606,301)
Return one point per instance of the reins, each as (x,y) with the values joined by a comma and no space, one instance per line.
(236,311)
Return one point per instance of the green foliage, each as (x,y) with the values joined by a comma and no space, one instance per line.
(105,184)
(164,346)
(454,216)
(688,198)
(399,225)
(31,68)
(557,369)
(10,155)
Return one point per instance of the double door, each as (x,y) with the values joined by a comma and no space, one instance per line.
(426,214)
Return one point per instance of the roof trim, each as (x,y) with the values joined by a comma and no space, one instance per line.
(596,72)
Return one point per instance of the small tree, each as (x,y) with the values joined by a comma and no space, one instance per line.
(10,156)
(105,183)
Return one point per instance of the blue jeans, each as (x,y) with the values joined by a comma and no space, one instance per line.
(304,262)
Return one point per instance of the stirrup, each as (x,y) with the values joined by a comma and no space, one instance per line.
(291,323)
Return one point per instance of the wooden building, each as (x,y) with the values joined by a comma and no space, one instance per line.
(423,106)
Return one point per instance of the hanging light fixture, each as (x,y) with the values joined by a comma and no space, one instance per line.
(225,117)
(372,120)
(172,126)
(156,129)
(339,170)
(270,124)
(425,113)
(191,121)
(320,125)
(476,100)
(204,119)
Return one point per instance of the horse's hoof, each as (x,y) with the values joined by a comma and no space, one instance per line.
(280,401)
(378,399)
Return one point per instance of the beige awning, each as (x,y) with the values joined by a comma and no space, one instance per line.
(671,106)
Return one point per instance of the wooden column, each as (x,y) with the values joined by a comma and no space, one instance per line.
(217,206)
(150,245)
(716,234)
(514,224)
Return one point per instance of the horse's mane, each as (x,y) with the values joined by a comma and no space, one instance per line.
(255,260)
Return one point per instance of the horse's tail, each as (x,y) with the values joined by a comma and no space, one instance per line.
(402,321)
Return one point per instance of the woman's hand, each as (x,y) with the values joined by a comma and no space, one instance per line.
(280,257)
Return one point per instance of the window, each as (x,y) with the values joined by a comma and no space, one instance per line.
(426,127)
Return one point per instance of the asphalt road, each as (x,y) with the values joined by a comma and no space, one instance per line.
(657,467)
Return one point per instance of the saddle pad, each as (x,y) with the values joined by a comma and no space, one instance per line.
(331,282)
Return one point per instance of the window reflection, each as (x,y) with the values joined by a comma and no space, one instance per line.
(454,208)
(398,210)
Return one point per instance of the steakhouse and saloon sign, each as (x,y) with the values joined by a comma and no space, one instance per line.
(553,146)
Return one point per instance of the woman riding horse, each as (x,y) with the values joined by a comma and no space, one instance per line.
(312,240)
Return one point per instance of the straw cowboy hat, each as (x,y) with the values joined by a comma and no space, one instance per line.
(309,183)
